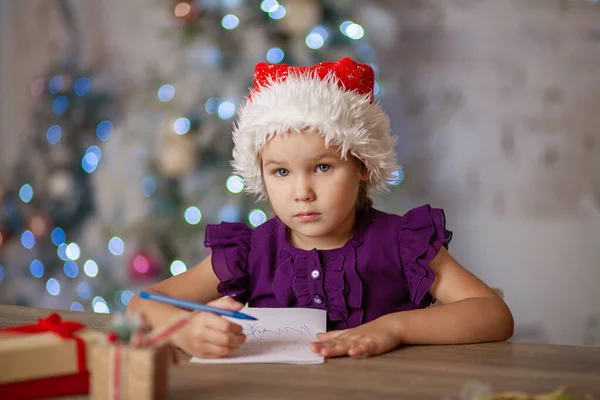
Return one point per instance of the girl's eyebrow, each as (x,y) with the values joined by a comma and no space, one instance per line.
(316,158)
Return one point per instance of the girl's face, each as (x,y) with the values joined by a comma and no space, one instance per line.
(311,188)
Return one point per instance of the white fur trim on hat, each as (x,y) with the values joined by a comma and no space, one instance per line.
(346,119)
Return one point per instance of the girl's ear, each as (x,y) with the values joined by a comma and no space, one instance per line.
(364,173)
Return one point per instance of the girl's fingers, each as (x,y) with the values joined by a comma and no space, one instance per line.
(211,350)
(224,339)
(227,303)
(329,335)
(216,322)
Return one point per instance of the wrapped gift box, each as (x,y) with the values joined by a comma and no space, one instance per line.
(125,372)
(47,359)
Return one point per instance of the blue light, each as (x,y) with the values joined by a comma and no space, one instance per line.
(84,290)
(235,184)
(148,186)
(104,130)
(75,306)
(95,150)
(226,110)
(344,26)
(53,287)
(230,21)
(126,297)
(211,56)
(89,163)
(192,215)
(365,51)
(60,105)
(376,88)
(55,84)
(90,268)
(314,41)
(355,31)
(71,269)
(181,126)
(36,268)
(82,86)
(257,217)
(212,105)
(100,305)
(1,273)
(275,55)
(229,213)
(116,246)
(166,93)
(269,5)
(178,267)
(231,3)
(277,13)
(53,134)
(375,69)
(73,251)
(28,240)
(397,177)
(58,236)
(321,31)
(26,193)
(61,251)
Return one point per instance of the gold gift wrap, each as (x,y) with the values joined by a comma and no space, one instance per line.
(30,356)
(129,373)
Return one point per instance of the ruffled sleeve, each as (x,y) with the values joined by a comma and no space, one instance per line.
(422,233)
(230,244)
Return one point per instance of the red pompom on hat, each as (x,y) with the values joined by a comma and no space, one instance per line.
(334,98)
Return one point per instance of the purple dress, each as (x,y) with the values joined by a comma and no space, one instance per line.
(383,268)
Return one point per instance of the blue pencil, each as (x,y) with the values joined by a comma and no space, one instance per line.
(190,305)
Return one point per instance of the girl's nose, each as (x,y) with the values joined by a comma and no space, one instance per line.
(304,190)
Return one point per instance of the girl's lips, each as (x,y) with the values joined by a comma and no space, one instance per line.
(305,217)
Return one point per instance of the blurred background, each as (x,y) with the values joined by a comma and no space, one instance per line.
(115,138)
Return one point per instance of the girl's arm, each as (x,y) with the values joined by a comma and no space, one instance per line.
(196,284)
(471,312)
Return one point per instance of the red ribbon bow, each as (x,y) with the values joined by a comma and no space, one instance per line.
(65,329)
(351,76)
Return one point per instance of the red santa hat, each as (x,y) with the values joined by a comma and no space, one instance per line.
(334,98)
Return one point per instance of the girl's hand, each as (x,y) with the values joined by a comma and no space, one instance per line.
(208,335)
(372,338)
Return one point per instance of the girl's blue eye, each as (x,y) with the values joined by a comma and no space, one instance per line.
(282,172)
(324,168)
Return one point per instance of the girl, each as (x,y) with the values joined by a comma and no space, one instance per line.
(315,144)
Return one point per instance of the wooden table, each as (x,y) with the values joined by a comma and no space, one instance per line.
(419,372)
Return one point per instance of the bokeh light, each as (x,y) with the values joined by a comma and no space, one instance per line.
(36,268)
(275,55)
(257,217)
(141,264)
(212,105)
(229,213)
(73,251)
(53,134)
(178,267)
(182,9)
(126,297)
(104,130)
(99,305)
(84,290)
(269,5)
(116,246)
(226,110)
(192,215)
(53,287)
(61,251)
(90,268)
(181,126)
(28,239)
(76,306)
(235,184)
(1,273)
(277,13)
(397,177)
(58,236)
(230,21)
(82,86)
(314,41)
(148,186)
(26,193)
(71,269)
(166,93)
(55,84)
(60,105)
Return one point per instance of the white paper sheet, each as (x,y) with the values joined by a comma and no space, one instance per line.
(281,335)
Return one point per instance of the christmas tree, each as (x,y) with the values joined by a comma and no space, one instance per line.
(101,203)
